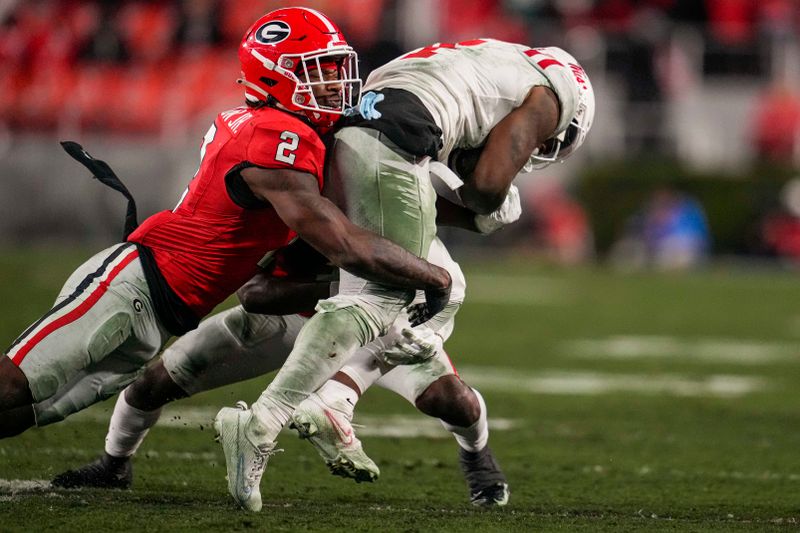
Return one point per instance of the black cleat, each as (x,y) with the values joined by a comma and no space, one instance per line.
(492,496)
(107,472)
(487,484)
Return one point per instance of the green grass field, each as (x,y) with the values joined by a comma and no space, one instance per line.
(619,403)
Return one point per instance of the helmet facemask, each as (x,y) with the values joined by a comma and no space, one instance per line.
(297,59)
(561,146)
(312,73)
(307,72)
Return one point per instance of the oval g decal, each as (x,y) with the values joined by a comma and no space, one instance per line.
(273,32)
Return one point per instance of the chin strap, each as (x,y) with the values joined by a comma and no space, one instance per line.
(103,173)
(253,87)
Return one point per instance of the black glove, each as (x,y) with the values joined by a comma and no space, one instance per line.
(435,301)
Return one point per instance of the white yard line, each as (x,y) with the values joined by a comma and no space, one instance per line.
(498,379)
(401,426)
(708,350)
(396,426)
(594,383)
(93,453)
(24,485)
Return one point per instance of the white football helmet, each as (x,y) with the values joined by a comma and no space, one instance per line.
(561,146)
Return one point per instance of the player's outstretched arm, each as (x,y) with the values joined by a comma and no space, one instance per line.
(297,200)
(507,149)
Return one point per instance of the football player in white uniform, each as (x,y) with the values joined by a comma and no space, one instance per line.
(492,108)
(520,106)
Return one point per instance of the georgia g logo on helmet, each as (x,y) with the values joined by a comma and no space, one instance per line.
(273,32)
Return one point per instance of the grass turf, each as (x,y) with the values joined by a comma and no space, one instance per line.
(644,436)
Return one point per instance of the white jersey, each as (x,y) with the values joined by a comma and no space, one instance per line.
(471,86)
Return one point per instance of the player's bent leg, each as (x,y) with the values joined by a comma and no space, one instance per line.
(329,338)
(386,190)
(327,426)
(136,411)
(451,401)
(324,418)
(228,347)
(468,421)
(154,389)
(92,342)
(324,344)
(439,392)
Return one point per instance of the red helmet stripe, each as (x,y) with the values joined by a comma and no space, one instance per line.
(325,20)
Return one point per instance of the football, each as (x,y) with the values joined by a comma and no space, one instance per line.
(464,160)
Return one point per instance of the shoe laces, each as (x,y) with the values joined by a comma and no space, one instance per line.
(262,454)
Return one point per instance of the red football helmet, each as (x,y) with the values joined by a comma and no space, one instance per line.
(283,56)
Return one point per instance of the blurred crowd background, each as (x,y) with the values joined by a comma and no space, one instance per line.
(695,152)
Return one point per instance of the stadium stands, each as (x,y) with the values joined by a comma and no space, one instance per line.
(122,67)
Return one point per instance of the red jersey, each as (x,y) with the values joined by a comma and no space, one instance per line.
(210,244)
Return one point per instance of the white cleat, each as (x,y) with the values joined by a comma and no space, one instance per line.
(330,432)
(245,460)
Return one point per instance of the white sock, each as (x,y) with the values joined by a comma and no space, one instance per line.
(472,438)
(128,427)
(339,396)
(269,417)
(363,367)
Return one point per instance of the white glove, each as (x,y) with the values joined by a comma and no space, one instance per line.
(416,345)
(505,214)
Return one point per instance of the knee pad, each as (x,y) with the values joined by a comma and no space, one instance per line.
(411,381)
(109,336)
(248,328)
(340,320)
(91,388)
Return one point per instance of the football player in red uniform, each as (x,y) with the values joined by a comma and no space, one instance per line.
(249,344)
(244,342)
(257,189)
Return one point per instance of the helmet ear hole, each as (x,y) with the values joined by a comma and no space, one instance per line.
(269,82)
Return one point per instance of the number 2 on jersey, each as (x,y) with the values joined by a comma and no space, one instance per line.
(287,147)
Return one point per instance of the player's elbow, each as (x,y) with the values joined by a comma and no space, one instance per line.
(483,199)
